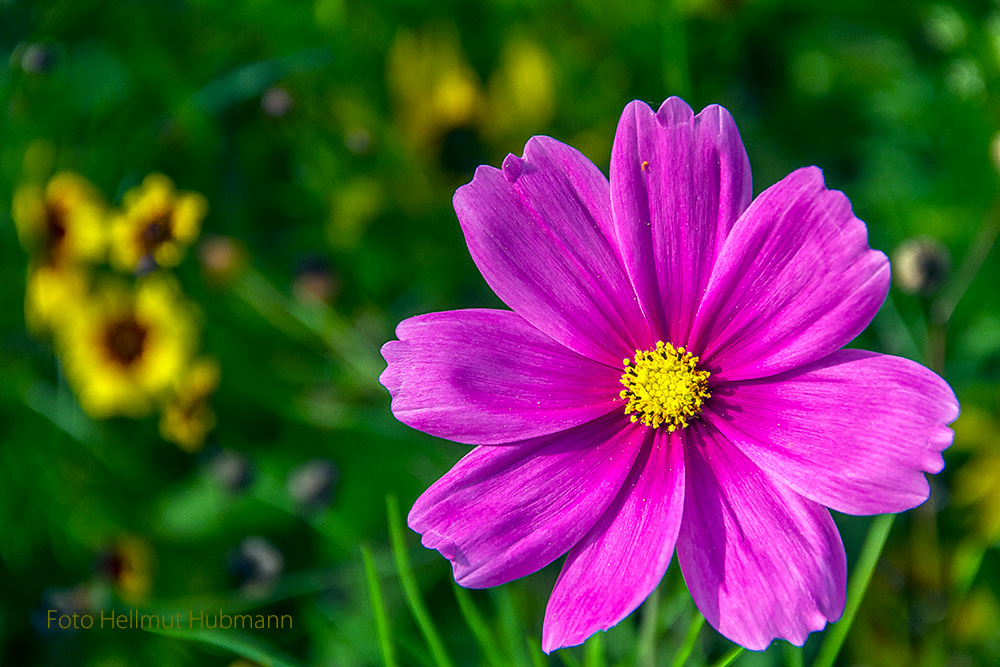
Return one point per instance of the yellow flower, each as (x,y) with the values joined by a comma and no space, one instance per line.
(977,485)
(52,292)
(435,87)
(122,349)
(128,566)
(156,225)
(62,223)
(522,93)
(187,417)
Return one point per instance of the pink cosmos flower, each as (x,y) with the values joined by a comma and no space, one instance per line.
(669,377)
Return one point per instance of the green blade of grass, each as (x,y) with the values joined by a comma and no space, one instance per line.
(477,624)
(512,628)
(593,651)
(378,608)
(236,643)
(648,629)
(730,657)
(684,652)
(538,657)
(793,656)
(862,574)
(410,590)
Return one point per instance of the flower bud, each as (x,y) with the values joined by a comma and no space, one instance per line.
(255,563)
(311,484)
(920,265)
(232,471)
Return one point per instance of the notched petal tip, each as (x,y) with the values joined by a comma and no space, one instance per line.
(512,166)
(389,378)
(465,195)
(675,111)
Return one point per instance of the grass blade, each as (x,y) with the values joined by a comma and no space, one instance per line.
(648,629)
(730,657)
(684,652)
(477,624)
(593,651)
(513,630)
(236,643)
(381,620)
(862,574)
(410,590)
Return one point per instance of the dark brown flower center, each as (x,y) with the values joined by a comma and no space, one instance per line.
(55,229)
(157,232)
(124,340)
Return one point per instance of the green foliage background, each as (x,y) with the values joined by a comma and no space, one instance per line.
(898,101)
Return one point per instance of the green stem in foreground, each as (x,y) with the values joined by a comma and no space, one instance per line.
(410,590)
(648,629)
(684,652)
(730,657)
(378,608)
(593,651)
(860,577)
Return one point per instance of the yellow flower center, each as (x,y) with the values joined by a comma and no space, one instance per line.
(663,387)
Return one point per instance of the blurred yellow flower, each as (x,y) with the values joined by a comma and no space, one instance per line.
(522,94)
(977,485)
(157,223)
(62,223)
(436,89)
(52,292)
(353,206)
(122,349)
(976,618)
(128,566)
(187,416)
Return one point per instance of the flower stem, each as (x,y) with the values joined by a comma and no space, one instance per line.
(878,533)
(692,636)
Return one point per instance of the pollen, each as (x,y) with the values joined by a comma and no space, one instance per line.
(664,387)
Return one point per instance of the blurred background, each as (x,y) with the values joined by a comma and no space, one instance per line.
(236,202)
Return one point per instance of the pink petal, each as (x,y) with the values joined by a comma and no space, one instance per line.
(489,377)
(678,184)
(795,281)
(540,232)
(506,511)
(761,561)
(855,431)
(623,557)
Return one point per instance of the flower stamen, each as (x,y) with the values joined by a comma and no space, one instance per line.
(663,387)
